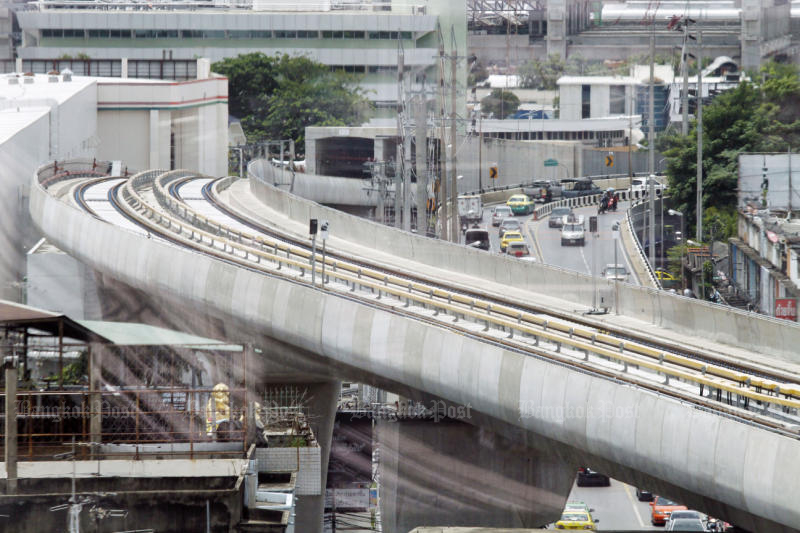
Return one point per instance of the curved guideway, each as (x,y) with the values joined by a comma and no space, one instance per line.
(96,198)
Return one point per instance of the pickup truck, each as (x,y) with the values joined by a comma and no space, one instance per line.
(548,191)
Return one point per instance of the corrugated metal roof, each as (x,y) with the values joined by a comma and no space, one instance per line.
(12,311)
(134,334)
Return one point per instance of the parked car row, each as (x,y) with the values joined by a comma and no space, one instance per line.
(676,517)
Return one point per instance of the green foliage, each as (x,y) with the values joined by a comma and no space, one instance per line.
(298,442)
(73,373)
(749,118)
(500,103)
(477,74)
(276,97)
(541,74)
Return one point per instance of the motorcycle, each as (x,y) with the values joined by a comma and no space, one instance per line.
(603,206)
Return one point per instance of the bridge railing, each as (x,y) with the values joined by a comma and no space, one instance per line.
(294,262)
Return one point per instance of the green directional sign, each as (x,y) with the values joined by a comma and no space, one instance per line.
(550,163)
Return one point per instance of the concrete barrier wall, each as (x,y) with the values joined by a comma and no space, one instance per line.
(775,338)
(735,470)
(326,190)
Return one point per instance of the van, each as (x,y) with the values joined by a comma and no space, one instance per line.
(572,230)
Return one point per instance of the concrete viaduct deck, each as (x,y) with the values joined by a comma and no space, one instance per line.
(720,458)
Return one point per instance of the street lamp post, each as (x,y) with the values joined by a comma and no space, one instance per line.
(674,213)
(241,159)
(615,229)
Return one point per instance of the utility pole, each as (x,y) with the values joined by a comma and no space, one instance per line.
(651,119)
(480,150)
(699,235)
(443,209)
(685,68)
(400,158)
(421,141)
(789,150)
(453,137)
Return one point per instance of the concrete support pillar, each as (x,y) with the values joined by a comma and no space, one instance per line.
(440,472)
(10,456)
(95,386)
(124,68)
(322,413)
(18,64)
(557,28)
(154,137)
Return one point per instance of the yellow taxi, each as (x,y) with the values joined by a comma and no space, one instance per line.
(520,204)
(663,275)
(574,519)
(510,236)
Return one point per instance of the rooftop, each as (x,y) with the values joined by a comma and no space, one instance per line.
(27,98)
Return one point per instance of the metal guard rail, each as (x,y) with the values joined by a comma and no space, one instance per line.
(503,317)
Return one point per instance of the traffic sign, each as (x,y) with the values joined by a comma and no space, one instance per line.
(493,172)
(550,163)
(610,160)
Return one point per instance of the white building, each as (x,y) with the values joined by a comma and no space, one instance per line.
(161,40)
(144,123)
(583,97)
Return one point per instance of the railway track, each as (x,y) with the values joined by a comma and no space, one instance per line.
(747,392)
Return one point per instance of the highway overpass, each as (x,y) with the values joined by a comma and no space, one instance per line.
(689,399)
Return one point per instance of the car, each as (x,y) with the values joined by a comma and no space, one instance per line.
(686,524)
(663,275)
(644,495)
(661,508)
(615,272)
(519,249)
(577,520)
(577,506)
(477,237)
(520,204)
(572,231)
(588,477)
(509,224)
(510,236)
(556,218)
(639,187)
(675,515)
(499,213)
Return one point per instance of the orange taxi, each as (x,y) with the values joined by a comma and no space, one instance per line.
(661,508)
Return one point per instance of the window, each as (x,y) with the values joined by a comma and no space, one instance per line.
(307,34)
(586,101)
(285,34)
(617,100)
(99,34)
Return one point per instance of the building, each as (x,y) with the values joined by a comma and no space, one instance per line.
(596,97)
(765,256)
(162,40)
(750,29)
(145,123)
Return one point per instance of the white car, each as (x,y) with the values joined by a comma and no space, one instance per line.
(615,272)
(640,187)
(572,230)
(519,249)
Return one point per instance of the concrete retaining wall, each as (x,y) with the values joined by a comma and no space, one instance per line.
(727,325)
(749,474)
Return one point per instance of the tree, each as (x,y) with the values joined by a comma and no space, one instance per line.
(500,103)
(541,74)
(276,97)
(749,118)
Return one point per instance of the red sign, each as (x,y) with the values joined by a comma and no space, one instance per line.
(786,308)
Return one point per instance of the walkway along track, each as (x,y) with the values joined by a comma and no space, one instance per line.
(748,394)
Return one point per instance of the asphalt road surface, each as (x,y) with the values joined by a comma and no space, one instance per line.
(545,242)
(616,507)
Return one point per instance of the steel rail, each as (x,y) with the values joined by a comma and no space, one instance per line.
(457,304)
